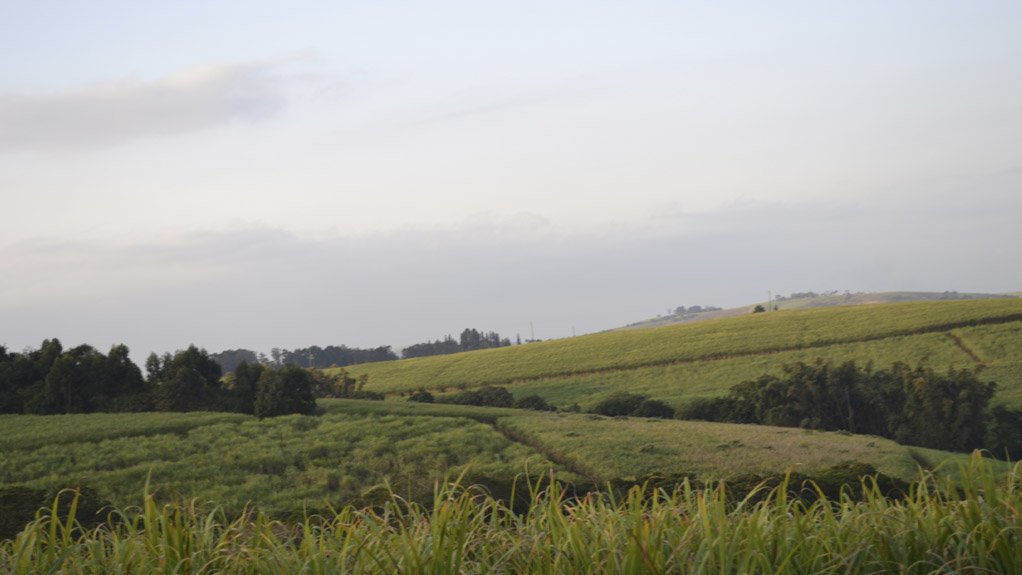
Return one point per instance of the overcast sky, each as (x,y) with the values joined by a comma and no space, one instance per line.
(267,174)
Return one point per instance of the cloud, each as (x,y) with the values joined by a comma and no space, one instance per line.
(115,112)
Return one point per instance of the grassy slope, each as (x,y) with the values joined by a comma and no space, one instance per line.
(1000,348)
(636,448)
(679,362)
(681,382)
(816,302)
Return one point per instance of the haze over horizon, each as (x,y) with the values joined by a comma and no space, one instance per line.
(321,174)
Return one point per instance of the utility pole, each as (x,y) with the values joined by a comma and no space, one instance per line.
(770,300)
(532,331)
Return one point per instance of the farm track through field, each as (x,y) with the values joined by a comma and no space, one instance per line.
(568,463)
(964,347)
(763,352)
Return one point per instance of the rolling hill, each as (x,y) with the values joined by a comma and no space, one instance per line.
(360,451)
(681,362)
(813,300)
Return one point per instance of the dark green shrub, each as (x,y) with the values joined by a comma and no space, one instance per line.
(421,395)
(494,396)
(620,403)
(534,402)
(725,409)
(18,506)
(90,509)
(654,408)
(489,396)
(1004,433)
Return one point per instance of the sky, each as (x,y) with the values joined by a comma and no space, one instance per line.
(257,175)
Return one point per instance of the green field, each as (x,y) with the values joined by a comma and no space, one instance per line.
(287,464)
(682,362)
(388,457)
(611,449)
(818,301)
(281,464)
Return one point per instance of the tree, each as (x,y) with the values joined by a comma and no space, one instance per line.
(126,388)
(154,367)
(284,391)
(187,381)
(915,406)
(758,309)
(230,359)
(64,391)
(1004,433)
(246,378)
(469,340)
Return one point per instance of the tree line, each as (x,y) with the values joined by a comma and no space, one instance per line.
(911,405)
(470,339)
(342,355)
(486,396)
(51,380)
(312,356)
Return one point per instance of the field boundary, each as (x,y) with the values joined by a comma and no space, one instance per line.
(518,436)
(936,328)
(958,341)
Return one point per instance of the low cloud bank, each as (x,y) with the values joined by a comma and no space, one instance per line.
(265,287)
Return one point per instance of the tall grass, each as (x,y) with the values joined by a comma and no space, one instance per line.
(974,526)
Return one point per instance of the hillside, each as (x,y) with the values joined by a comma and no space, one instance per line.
(685,361)
(365,452)
(804,301)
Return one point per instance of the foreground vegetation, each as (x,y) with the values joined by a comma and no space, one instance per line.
(972,526)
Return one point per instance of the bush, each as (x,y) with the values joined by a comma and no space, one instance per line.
(534,402)
(1004,433)
(654,408)
(421,396)
(18,506)
(284,391)
(494,396)
(724,409)
(620,403)
(489,396)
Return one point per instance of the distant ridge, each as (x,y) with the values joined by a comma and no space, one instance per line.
(829,299)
